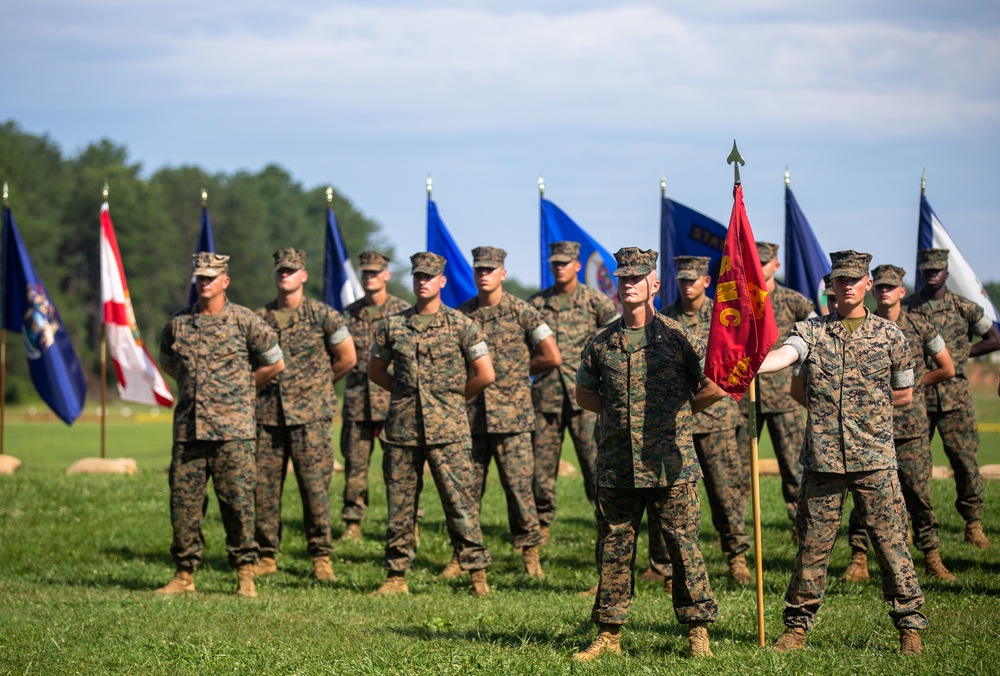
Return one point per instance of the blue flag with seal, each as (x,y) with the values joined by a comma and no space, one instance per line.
(685,232)
(461,284)
(961,278)
(206,242)
(805,260)
(597,266)
(28,310)
(340,283)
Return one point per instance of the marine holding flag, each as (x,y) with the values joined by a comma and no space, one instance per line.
(854,368)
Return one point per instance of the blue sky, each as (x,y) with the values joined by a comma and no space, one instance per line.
(855,97)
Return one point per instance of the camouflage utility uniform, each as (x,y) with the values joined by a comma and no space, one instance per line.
(365,404)
(214,427)
(427,421)
(949,403)
(574,318)
(849,447)
(646,461)
(501,417)
(295,413)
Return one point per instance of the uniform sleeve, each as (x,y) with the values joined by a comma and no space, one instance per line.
(262,342)
(168,358)
(979,323)
(473,341)
(799,339)
(335,327)
(606,310)
(589,373)
(900,361)
(533,324)
(382,345)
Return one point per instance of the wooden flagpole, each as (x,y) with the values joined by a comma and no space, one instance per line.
(755,493)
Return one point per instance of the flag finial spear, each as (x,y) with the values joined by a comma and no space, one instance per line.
(329,196)
(541,186)
(204,197)
(105,191)
(736,160)
(788,177)
(430,185)
(923,181)
(6,194)
(663,185)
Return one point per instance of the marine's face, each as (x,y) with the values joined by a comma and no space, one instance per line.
(634,290)
(290,280)
(211,287)
(489,279)
(427,287)
(887,295)
(693,289)
(769,268)
(850,291)
(564,272)
(374,281)
(934,280)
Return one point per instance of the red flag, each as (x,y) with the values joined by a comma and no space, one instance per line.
(743,328)
(138,378)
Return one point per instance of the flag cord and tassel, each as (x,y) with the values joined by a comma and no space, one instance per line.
(755,493)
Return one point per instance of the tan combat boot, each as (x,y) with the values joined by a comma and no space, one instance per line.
(452,570)
(245,586)
(698,639)
(934,566)
(395,583)
(738,569)
(909,642)
(265,566)
(974,534)
(352,532)
(479,586)
(545,536)
(181,583)
(532,565)
(322,570)
(793,638)
(607,641)
(858,570)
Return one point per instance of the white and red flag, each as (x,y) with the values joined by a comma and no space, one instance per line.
(139,380)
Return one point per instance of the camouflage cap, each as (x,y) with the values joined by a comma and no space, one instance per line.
(635,262)
(293,259)
(766,251)
(691,267)
(564,252)
(888,275)
(932,259)
(849,263)
(373,261)
(828,285)
(427,263)
(207,264)
(488,257)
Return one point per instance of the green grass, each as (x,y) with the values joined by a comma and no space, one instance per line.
(80,556)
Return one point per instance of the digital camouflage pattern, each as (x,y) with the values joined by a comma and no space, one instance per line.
(913,457)
(619,514)
(212,356)
(303,392)
(547,446)
(960,437)
(925,342)
(230,466)
(773,395)
(357,441)
(644,437)
(513,328)
(431,365)
(850,378)
(363,399)
(574,319)
(451,466)
(515,464)
(308,447)
(820,511)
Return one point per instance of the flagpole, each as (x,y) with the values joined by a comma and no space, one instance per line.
(736,160)
(104,361)
(3,337)
(923,182)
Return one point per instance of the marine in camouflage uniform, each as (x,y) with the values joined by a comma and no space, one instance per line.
(645,375)
(727,475)
(574,312)
(949,403)
(440,360)
(501,417)
(855,367)
(295,413)
(775,406)
(209,348)
(365,404)
(913,449)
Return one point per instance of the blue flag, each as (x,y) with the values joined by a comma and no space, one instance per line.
(340,283)
(461,284)
(28,310)
(206,242)
(597,265)
(961,279)
(805,260)
(685,232)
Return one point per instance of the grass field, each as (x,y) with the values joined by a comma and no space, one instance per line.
(80,556)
